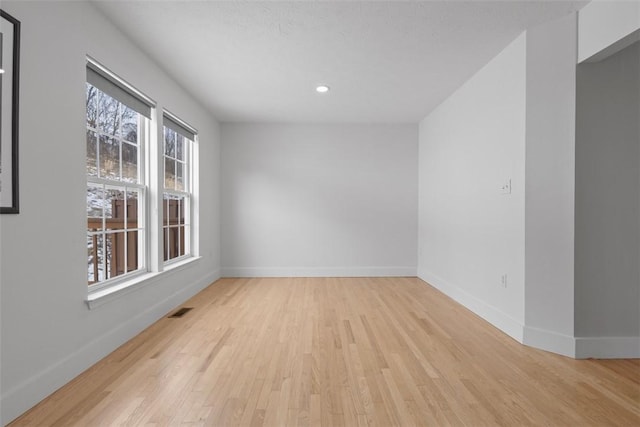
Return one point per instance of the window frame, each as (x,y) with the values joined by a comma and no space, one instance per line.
(142,230)
(151,176)
(143,186)
(180,127)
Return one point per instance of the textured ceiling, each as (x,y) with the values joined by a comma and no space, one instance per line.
(386,62)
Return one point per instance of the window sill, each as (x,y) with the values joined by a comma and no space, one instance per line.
(103,296)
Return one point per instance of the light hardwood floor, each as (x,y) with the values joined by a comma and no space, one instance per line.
(337,351)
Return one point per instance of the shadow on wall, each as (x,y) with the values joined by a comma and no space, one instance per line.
(607,226)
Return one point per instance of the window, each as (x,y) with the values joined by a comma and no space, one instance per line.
(177,197)
(117,188)
(135,190)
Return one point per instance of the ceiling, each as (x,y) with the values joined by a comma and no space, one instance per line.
(386,62)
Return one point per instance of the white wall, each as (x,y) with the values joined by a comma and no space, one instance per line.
(48,335)
(549,206)
(469,233)
(319,200)
(607,245)
(463,148)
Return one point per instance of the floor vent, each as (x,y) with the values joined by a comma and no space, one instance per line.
(181,312)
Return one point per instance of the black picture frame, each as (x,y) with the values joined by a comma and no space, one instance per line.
(9,95)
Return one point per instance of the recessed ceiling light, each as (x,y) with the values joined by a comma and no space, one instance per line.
(1,71)
(322,89)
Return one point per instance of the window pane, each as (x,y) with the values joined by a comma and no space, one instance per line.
(92,153)
(174,226)
(92,258)
(172,209)
(129,162)
(114,209)
(132,208)
(95,203)
(181,210)
(113,254)
(180,140)
(100,260)
(177,203)
(178,243)
(180,169)
(166,241)
(182,231)
(169,174)
(92,106)
(132,251)
(108,114)
(169,142)
(173,243)
(109,158)
(165,211)
(129,128)
(116,261)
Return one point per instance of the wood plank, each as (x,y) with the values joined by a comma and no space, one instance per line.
(337,351)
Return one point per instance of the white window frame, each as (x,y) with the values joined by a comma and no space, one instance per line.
(143,187)
(189,185)
(151,264)
(141,229)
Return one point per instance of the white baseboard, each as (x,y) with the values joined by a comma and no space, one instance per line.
(549,341)
(319,272)
(607,347)
(566,345)
(497,318)
(19,399)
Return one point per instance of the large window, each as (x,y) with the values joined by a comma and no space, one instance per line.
(177,197)
(135,190)
(117,190)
